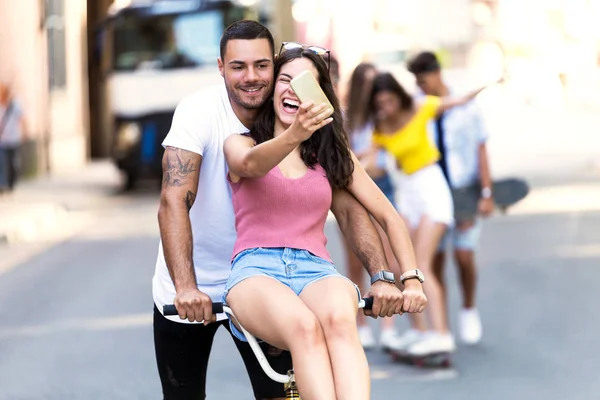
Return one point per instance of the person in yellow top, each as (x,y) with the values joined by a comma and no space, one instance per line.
(410,144)
(425,201)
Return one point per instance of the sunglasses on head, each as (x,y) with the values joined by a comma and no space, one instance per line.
(315,49)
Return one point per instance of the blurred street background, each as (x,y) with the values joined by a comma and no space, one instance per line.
(97,84)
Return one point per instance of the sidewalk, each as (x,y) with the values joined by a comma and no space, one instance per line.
(51,206)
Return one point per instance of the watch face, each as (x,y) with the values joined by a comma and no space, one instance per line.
(388,276)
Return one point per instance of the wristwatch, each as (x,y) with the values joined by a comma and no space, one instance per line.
(386,276)
(413,274)
(486,193)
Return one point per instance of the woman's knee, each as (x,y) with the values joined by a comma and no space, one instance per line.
(306,331)
(339,323)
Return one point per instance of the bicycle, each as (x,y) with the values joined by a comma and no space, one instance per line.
(289,381)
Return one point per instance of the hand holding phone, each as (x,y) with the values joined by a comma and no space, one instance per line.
(312,117)
(308,89)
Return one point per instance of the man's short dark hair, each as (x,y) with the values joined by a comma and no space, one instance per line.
(424,62)
(246,30)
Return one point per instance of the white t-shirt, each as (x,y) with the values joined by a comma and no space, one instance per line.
(464,131)
(201,123)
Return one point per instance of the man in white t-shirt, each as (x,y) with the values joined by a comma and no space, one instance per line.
(196,221)
(461,137)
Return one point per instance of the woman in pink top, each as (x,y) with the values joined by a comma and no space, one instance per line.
(283,287)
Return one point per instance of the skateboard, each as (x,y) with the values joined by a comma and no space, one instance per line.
(435,360)
(506,192)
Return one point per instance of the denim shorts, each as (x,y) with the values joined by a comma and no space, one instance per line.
(462,239)
(293,267)
(385,184)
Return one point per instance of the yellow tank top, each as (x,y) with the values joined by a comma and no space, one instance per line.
(411,145)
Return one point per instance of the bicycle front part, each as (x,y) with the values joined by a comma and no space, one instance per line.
(291,390)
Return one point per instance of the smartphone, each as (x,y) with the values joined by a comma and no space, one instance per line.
(307,88)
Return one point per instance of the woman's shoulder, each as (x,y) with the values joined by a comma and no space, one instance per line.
(428,106)
(429,100)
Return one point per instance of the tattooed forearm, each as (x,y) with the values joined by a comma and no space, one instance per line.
(178,164)
(190,197)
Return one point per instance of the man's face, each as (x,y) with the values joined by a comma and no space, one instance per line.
(247,69)
(429,82)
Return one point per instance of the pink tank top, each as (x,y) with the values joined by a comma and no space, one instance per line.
(275,211)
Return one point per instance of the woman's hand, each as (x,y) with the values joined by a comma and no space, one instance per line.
(414,298)
(309,119)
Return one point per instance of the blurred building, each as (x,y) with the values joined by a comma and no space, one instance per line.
(550,48)
(58,62)
(51,54)
(43,56)
(385,32)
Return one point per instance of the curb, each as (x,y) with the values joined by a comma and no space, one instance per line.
(29,222)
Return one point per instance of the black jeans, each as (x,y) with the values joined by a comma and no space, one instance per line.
(8,167)
(182,352)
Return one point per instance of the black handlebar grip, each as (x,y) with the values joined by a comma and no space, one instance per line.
(217,308)
(169,309)
(368,303)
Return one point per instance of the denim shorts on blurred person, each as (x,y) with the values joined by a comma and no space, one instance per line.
(293,267)
(462,238)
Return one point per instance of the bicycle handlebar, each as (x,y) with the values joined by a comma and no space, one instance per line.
(367,303)
(170,309)
(217,308)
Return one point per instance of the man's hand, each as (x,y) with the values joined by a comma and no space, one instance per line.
(486,206)
(387,300)
(414,298)
(194,305)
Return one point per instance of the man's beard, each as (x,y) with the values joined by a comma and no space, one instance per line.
(249,105)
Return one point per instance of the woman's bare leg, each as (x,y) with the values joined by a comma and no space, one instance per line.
(334,301)
(273,312)
(426,240)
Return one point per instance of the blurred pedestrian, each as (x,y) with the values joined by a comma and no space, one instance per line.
(375,161)
(334,73)
(461,138)
(425,200)
(12,134)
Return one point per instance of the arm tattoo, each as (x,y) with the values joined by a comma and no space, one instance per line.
(190,197)
(177,167)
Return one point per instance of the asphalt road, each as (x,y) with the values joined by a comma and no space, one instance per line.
(76,315)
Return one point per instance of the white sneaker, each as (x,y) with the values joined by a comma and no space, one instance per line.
(388,339)
(403,342)
(367,339)
(470,326)
(433,343)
